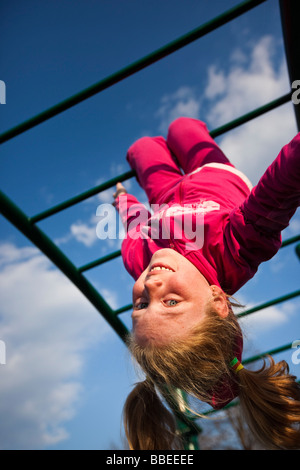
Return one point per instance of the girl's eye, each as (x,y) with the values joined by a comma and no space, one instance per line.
(141,305)
(172,302)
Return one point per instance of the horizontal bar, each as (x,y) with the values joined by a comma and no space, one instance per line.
(123,309)
(251,115)
(129,174)
(40,239)
(297,249)
(80,197)
(291,240)
(271,352)
(269,303)
(132,69)
(99,261)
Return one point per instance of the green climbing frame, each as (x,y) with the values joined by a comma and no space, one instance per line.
(187,426)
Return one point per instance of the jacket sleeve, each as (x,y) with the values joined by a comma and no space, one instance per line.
(134,215)
(254,229)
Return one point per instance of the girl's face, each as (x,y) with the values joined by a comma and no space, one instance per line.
(168,298)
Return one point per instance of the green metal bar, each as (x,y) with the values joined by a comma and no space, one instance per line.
(123,309)
(297,249)
(188,435)
(269,303)
(251,115)
(132,69)
(271,352)
(283,298)
(185,421)
(129,174)
(40,239)
(99,261)
(80,197)
(289,241)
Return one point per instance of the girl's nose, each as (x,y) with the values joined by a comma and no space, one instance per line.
(152,283)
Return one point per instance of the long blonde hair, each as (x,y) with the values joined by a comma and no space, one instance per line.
(199,365)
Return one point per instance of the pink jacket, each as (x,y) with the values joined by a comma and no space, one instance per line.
(235,236)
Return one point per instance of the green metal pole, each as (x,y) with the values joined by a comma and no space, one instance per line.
(99,261)
(80,197)
(185,421)
(251,115)
(133,68)
(40,239)
(297,249)
(123,309)
(291,240)
(278,300)
(271,352)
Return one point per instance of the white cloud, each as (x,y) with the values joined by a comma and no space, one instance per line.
(183,102)
(47,325)
(252,80)
(266,319)
(10,253)
(106,196)
(84,233)
(216,82)
(246,85)
(88,233)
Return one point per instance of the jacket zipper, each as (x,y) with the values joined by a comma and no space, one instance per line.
(181,192)
(180,202)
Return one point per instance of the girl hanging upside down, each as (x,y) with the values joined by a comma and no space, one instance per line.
(206,235)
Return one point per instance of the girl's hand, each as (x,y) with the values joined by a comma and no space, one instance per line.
(119,190)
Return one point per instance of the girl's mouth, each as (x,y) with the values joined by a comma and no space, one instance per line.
(160,267)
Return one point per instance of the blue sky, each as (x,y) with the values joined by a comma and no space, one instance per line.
(67,374)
